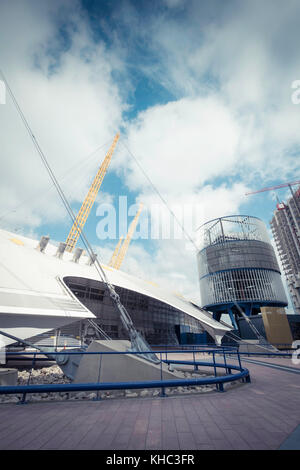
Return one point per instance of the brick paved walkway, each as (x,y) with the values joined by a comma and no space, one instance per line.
(260,415)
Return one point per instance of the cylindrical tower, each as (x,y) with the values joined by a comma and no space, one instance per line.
(237,265)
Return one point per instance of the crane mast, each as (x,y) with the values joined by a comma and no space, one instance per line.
(115,253)
(121,250)
(89,199)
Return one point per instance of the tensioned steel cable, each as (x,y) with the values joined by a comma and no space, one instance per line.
(136,339)
(187,235)
(159,195)
(66,174)
(54,180)
(115,297)
(239,340)
(164,202)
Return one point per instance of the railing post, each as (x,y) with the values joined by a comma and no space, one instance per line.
(23,400)
(162,393)
(215,369)
(225,363)
(240,364)
(239,358)
(98,397)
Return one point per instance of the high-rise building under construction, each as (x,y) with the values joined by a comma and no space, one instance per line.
(285,226)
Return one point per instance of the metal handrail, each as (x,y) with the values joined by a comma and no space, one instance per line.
(207,351)
(65,351)
(243,374)
(9,389)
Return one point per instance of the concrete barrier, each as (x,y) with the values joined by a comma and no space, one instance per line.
(8,377)
(118,367)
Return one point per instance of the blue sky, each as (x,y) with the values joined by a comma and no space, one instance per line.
(200,91)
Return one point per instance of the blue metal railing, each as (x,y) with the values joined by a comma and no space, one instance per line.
(227,349)
(221,350)
(241,373)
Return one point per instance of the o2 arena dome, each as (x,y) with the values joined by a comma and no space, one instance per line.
(44,288)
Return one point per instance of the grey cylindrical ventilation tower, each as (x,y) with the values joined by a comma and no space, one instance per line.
(237,265)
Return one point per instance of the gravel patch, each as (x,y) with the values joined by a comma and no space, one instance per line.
(54,375)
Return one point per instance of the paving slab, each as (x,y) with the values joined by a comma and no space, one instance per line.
(264,414)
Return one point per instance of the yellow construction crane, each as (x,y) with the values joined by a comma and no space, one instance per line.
(89,200)
(115,253)
(121,250)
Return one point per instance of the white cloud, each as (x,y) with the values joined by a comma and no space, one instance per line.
(230,123)
(182,144)
(243,57)
(70,100)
